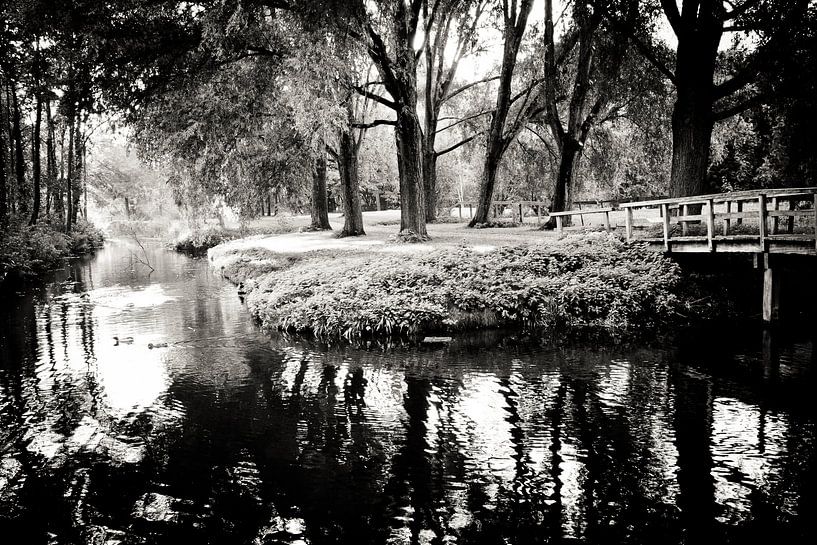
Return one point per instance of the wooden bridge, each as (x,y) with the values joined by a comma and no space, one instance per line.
(762,222)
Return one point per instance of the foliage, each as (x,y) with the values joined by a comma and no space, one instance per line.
(592,281)
(198,241)
(31,250)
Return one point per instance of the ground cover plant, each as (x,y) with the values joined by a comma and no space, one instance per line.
(591,281)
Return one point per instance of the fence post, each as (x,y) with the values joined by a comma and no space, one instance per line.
(727,219)
(761,200)
(710,225)
(628,222)
(665,214)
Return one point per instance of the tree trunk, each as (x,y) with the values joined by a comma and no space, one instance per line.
(487,181)
(691,138)
(60,185)
(409,161)
(35,160)
(19,160)
(76,188)
(127,208)
(562,194)
(692,117)
(3,189)
(50,158)
(347,165)
(320,206)
(430,179)
(69,182)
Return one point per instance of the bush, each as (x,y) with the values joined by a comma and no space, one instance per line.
(31,250)
(85,238)
(591,281)
(198,241)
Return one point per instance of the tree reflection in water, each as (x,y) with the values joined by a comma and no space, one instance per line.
(230,436)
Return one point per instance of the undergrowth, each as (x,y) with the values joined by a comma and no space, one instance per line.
(27,251)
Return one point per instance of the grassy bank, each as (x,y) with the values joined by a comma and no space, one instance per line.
(586,282)
(27,251)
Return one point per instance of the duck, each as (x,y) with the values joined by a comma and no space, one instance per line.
(157,345)
(122,340)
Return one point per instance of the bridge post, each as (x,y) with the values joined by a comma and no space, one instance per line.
(761,225)
(710,225)
(771,291)
(665,216)
(815,221)
(628,222)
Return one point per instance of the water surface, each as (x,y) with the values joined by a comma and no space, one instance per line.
(229,435)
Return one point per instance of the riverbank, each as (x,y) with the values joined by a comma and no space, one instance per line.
(30,251)
(462,280)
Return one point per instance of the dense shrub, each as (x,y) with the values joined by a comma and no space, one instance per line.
(31,250)
(582,281)
(85,238)
(198,241)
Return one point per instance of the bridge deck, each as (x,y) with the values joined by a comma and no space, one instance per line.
(776,221)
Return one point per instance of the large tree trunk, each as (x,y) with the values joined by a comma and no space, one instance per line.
(691,138)
(347,165)
(409,161)
(320,206)
(35,160)
(692,117)
(19,160)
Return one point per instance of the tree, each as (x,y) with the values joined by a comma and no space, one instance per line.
(515,18)
(458,22)
(397,23)
(712,85)
(598,60)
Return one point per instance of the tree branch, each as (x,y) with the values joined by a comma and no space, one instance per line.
(377,98)
(467,86)
(738,107)
(464,119)
(458,144)
(374,123)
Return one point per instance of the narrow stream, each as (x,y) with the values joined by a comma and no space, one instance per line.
(204,429)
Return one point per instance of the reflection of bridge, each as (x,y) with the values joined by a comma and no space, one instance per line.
(760,222)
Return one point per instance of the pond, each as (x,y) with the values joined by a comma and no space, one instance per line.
(196,426)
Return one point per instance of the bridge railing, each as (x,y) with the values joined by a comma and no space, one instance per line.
(762,207)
